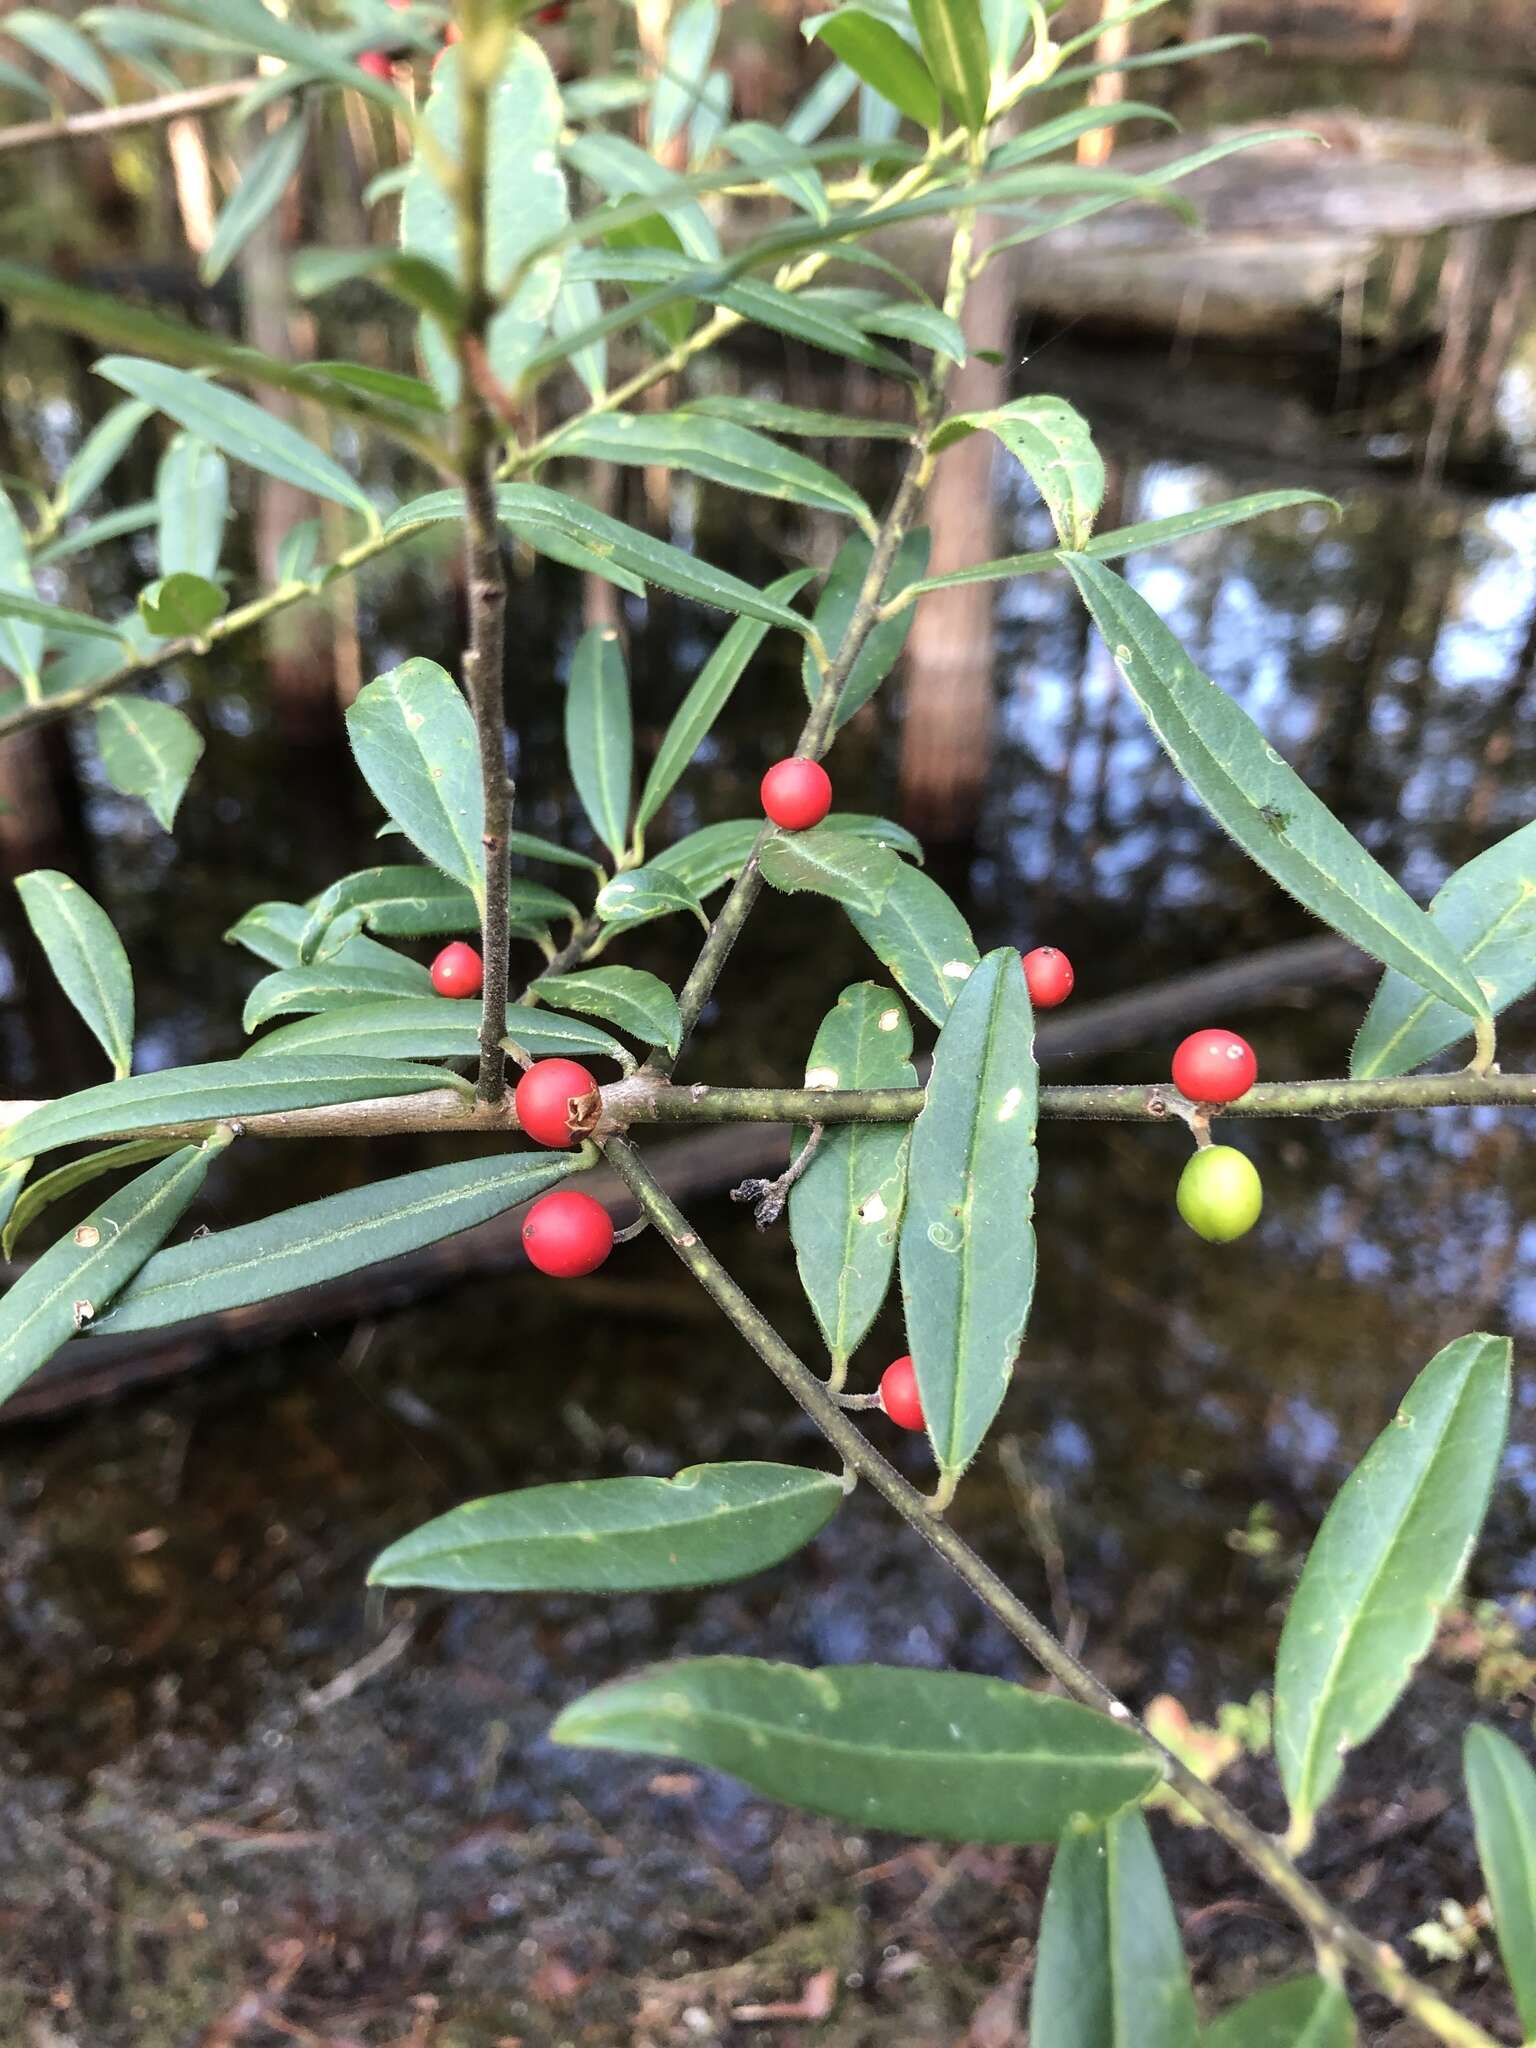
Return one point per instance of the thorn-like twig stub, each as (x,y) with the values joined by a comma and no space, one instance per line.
(769,1196)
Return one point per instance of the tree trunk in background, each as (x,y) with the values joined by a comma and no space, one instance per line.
(37,817)
(947,731)
(302,651)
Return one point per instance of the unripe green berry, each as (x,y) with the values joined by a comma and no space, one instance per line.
(1220,1194)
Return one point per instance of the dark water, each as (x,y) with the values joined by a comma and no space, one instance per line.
(181,1576)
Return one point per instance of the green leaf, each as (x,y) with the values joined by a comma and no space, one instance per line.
(716,450)
(37,618)
(12,1183)
(30,1202)
(266,178)
(402,902)
(183,603)
(272,932)
(14,79)
(883,831)
(207,1095)
(98,455)
(414,739)
(623,171)
(1128,540)
(428,1028)
(1308,2012)
(599,735)
(854,872)
(247,25)
(1065,129)
(921,1752)
(95,533)
(954,40)
(967,1244)
(690,46)
(920,938)
(803,320)
(1110,1969)
(298,991)
(192,493)
(635,1001)
(709,858)
(323,1240)
(148,749)
(1502,1788)
(709,1525)
(1389,1555)
(845,1209)
(1487,912)
(909,321)
(835,610)
(710,115)
(526,204)
(61,44)
(242,430)
(86,954)
(778,418)
(1261,802)
(417,280)
(75,1279)
(644,893)
(775,159)
(1170,53)
(1054,443)
(882,58)
(577,305)
(23,618)
(559,544)
(706,699)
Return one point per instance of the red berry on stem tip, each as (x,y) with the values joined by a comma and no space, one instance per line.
(543,1098)
(458,971)
(797,793)
(898,1394)
(1049,974)
(567,1234)
(1214,1066)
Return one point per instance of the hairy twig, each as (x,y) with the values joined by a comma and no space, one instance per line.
(171,106)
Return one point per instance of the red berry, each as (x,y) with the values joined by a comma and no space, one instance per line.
(543,1098)
(797,793)
(376,64)
(567,1234)
(898,1394)
(1214,1066)
(552,13)
(1049,975)
(458,971)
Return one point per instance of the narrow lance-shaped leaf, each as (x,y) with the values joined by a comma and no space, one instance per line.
(414,739)
(428,1028)
(599,736)
(265,179)
(635,1001)
(40,1196)
(882,58)
(845,1210)
(1054,443)
(835,610)
(921,938)
(323,1240)
(272,932)
(242,430)
(12,1182)
(86,954)
(690,46)
(954,40)
(70,1285)
(706,699)
(857,873)
(1129,540)
(404,902)
(921,1752)
(1110,1969)
(709,1525)
(1487,910)
(1389,1555)
(1261,801)
(98,455)
(718,451)
(192,498)
(21,638)
(526,204)
(209,1094)
(148,750)
(60,43)
(1502,1788)
(968,1244)
(765,150)
(1308,2012)
(644,893)
(296,991)
(778,418)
